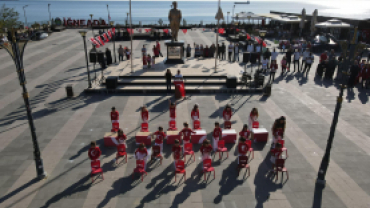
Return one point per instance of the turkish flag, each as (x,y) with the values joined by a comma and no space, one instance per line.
(130,31)
(221,30)
(184,31)
(264,44)
(114,31)
(248,36)
(165,31)
(147,30)
(106,39)
(109,34)
(94,42)
(100,40)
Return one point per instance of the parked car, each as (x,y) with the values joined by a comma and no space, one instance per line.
(40,36)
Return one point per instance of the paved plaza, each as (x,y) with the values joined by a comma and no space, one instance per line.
(65,128)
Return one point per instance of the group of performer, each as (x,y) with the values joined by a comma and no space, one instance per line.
(206,149)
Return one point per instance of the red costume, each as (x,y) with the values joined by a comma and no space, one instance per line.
(227,115)
(114,115)
(176,151)
(244,134)
(159,137)
(145,115)
(208,149)
(273,67)
(186,133)
(243,148)
(323,57)
(173,112)
(143,151)
(195,114)
(121,138)
(94,153)
(217,132)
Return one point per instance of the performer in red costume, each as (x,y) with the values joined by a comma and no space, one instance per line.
(227,113)
(217,133)
(144,114)
(172,107)
(94,151)
(114,115)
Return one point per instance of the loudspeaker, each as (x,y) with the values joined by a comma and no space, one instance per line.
(100,56)
(231,82)
(92,57)
(246,56)
(267,90)
(69,91)
(111,82)
(253,59)
(259,80)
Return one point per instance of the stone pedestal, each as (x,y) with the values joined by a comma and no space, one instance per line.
(175,52)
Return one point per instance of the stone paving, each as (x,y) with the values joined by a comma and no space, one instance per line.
(65,128)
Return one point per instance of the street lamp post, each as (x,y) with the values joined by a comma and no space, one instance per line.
(49,12)
(25,17)
(83,34)
(114,43)
(92,31)
(228,13)
(326,159)
(132,51)
(15,48)
(232,21)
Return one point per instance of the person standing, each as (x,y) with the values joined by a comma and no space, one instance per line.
(267,55)
(297,56)
(273,67)
(305,54)
(288,56)
(158,46)
(168,76)
(309,60)
(149,60)
(230,51)
(236,52)
(143,51)
(354,70)
(108,54)
(264,65)
(120,53)
(223,50)
(274,55)
(94,151)
(128,54)
(188,51)
(340,66)
(219,51)
(155,51)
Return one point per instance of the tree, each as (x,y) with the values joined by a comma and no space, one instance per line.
(8,17)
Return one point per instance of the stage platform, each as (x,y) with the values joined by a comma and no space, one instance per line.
(199,75)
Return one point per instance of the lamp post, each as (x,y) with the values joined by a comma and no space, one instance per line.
(262,35)
(83,34)
(49,12)
(15,48)
(228,13)
(232,21)
(92,31)
(25,18)
(132,51)
(108,13)
(326,158)
(114,43)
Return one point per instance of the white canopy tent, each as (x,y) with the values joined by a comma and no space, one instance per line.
(333,23)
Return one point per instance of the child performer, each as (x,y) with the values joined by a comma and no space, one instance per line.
(217,133)
(172,107)
(206,149)
(176,151)
(141,153)
(253,116)
(94,151)
(114,115)
(144,114)
(227,113)
(186,133)
(245,133)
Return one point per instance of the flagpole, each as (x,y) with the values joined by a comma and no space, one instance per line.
(218,25)
(132,70)
(108,15)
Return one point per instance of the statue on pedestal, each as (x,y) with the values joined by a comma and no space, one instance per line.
(174,16)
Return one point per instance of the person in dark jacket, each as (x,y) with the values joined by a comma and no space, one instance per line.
(223,50)
(355,69)
(219,51)
(168,76)
(288,56)
(330,68)
(108,54)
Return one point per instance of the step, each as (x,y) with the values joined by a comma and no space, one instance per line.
(185,77)
(163,82)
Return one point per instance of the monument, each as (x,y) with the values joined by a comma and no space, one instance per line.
(175,48)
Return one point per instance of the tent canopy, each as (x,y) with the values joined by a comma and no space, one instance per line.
(287,19)
(333,23)
(246,16)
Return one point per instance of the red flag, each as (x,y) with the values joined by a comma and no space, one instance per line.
(130,31)
(114,31)
(106,39)
(221,30)
(184,31)
(237,30)
(264,44)
(98,38)
(248,36)
(147,30)
(165,31)
(94,42)
(109,34)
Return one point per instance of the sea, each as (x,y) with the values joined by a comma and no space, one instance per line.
(194,12)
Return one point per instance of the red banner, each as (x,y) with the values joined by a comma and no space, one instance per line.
(248,36)
(130,31)
(114,31)
(165,31)
(106,39)
(100,40)
(147,30)
(184,31)
(109,34)
(95,42)
(221,30)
